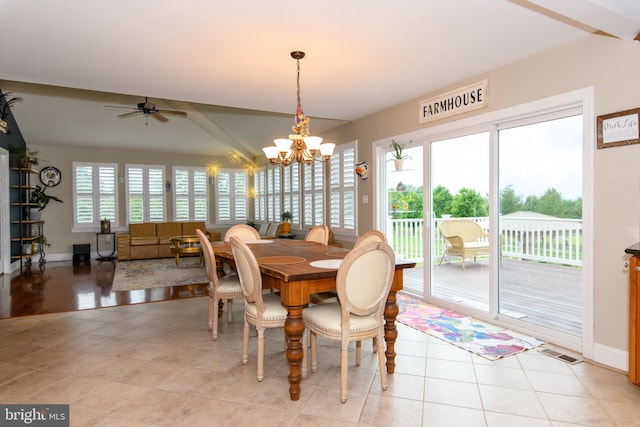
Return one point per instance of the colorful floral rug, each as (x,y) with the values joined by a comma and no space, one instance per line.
(486,340)
(158,273)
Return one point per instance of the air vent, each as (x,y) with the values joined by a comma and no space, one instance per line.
(561,356)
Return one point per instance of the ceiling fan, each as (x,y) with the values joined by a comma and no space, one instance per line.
(149,109)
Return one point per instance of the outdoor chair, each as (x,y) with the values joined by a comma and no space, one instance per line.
(464,238)
(363,283)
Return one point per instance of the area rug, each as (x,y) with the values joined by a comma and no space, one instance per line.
(158,273)
(484,339)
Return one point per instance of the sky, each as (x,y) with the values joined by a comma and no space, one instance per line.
(532,159)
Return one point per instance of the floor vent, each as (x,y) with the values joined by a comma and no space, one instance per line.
(561,356)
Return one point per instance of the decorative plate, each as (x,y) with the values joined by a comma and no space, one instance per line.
(50,176)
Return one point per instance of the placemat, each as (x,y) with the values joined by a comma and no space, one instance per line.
(297,242)
(326,263)
(283,259)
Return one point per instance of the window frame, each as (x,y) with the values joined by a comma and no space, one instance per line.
(96,189)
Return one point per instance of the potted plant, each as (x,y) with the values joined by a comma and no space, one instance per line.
(398,157)
(24,157)
(286,218)
(39,200)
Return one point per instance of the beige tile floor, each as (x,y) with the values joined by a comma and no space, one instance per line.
(155,365)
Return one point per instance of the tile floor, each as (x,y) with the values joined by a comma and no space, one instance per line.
(155,365)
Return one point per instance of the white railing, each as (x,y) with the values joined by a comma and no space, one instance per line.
(553,240)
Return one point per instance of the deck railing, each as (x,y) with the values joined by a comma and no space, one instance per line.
(553,240)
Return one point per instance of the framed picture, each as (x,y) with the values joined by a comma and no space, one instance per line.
(618,129)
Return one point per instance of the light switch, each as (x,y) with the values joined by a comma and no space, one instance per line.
(365,200)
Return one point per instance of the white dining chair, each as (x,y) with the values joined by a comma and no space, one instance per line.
(318,234)
(363,282)
(227,287)
(260,310)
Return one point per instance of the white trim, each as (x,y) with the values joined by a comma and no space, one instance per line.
(610,356)
(5,248)
(581,97)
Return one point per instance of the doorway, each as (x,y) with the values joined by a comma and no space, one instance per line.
(519,177)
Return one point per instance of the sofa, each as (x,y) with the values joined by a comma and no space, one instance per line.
(152,239)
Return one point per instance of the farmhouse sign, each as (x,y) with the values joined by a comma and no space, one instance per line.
(455,102)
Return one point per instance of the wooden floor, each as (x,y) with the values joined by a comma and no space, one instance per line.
(543,294)
(63,286)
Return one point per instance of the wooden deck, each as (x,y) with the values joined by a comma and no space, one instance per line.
(547,295)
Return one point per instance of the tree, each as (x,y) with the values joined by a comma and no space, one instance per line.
(509,201)
(441,201)
(550,203)
(469,203)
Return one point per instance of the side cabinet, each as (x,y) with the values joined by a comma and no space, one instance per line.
(634,320)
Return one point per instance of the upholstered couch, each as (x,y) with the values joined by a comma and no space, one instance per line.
(152,239)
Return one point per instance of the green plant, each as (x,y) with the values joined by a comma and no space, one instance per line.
(397,151)
(24,157)
(40,199)
(286,216)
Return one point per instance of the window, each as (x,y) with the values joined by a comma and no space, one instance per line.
(232,204)
(342,190)
(291,193)
(260,201)
(191,194)
(274,175)
(313,197)
(145,193)
(95,194)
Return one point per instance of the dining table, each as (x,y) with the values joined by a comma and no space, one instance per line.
(298,268)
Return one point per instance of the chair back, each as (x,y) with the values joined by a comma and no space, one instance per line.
(370,236)
(465,229)
(318,234)
(364,280)
(243,232)
(209,258)
(248,273)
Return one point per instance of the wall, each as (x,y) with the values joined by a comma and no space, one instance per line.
(612,67)
(59,217)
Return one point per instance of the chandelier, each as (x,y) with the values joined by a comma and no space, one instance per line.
(300,146)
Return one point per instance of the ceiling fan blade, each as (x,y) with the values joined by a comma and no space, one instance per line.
(179,113)
(129,114)
(159,117)
(120,107)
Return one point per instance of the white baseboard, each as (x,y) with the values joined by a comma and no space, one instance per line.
(609,356)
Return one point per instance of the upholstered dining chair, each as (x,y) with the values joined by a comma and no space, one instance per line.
(318,234)
(363,283)
(227,287)
(370,236)
(260,310)
(243,232)
(367,237)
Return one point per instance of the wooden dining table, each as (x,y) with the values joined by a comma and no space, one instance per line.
(285,266)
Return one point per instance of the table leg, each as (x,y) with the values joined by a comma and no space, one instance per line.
(177,259)
(391,311)
(294,329)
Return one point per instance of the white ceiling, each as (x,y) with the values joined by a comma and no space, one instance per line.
(228,65)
